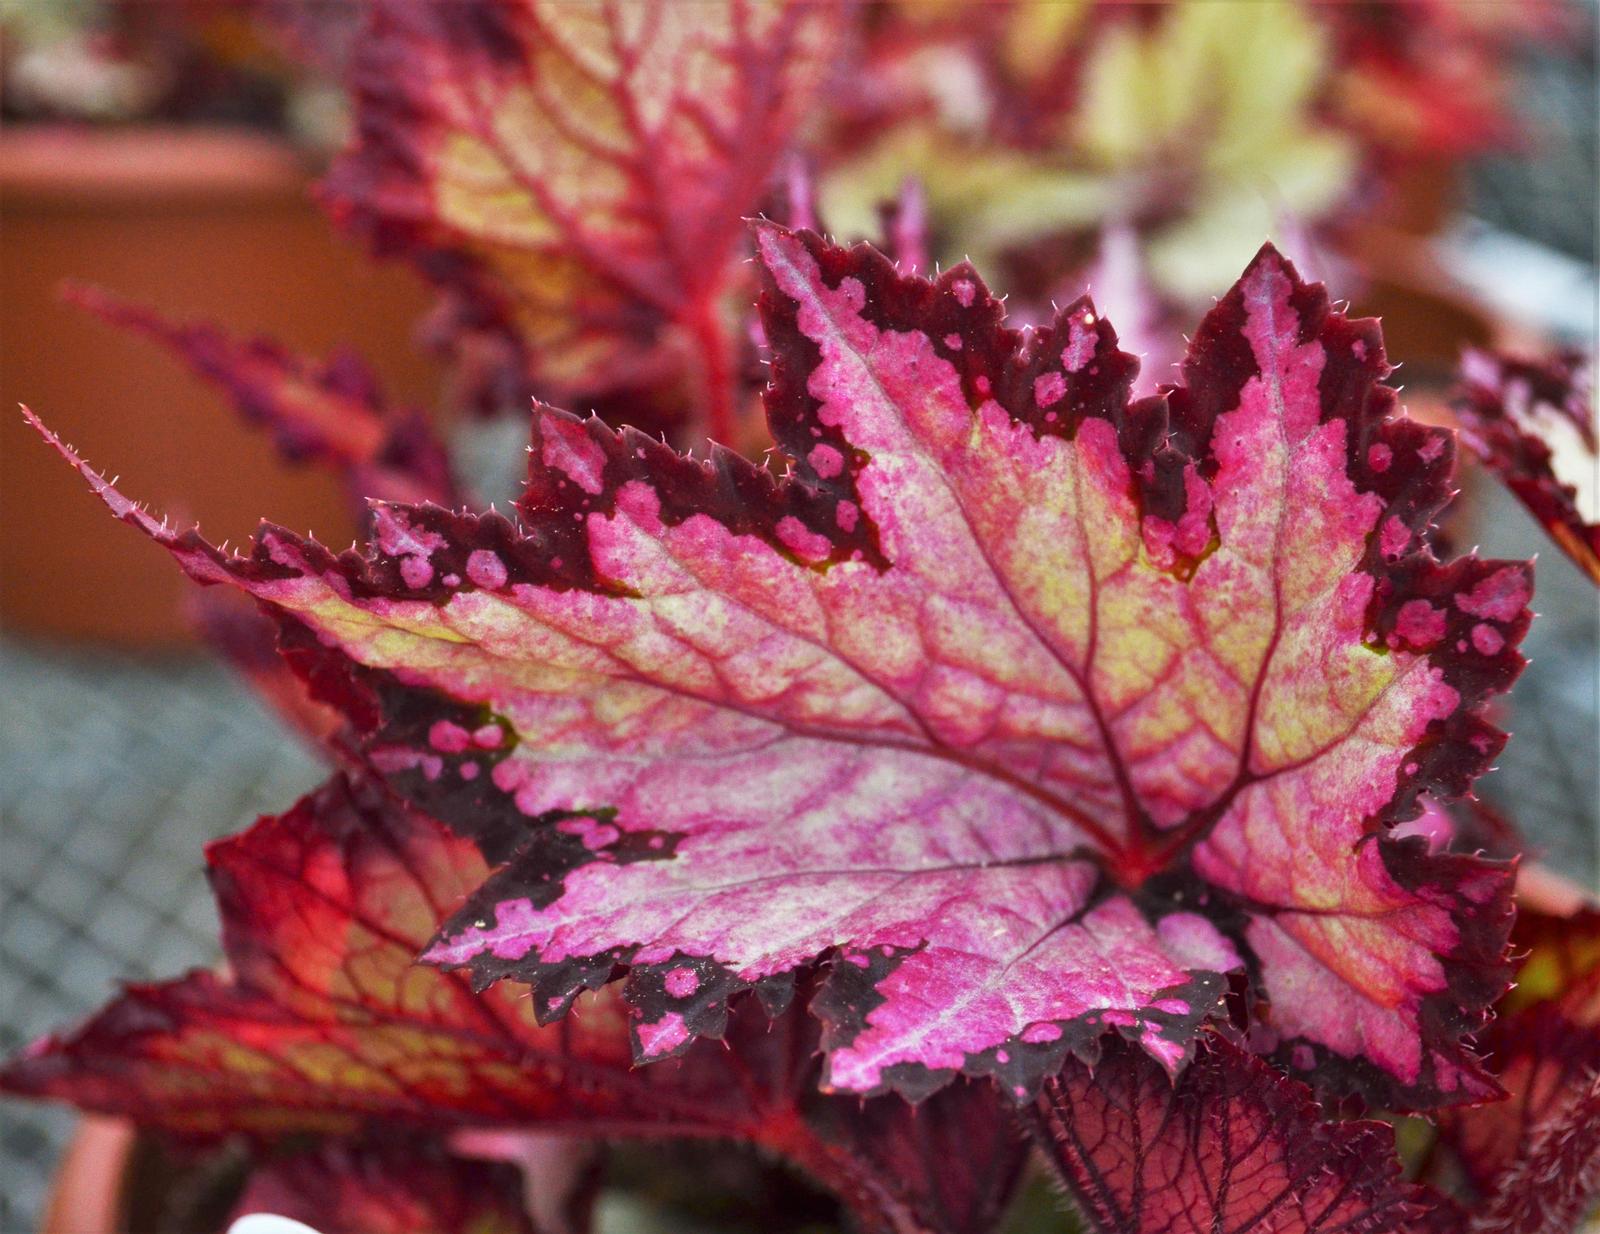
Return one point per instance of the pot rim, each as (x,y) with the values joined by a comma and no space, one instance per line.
(70,166)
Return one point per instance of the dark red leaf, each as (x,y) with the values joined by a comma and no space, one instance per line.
(1544,1045)
(1158,675)
(1231,1147)
(1552,1184)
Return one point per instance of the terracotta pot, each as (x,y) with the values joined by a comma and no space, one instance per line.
(90,1191)
(1423,193)
(214,224)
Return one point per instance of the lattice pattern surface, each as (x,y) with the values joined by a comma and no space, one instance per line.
(113,775)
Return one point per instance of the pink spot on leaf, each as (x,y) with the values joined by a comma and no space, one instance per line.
(593,834)
(567,448)
(662,1037)
(395,759)
(801,540)
(1487,639)
(1501,596)
(394,534)
(1049,388)
(1419,623)
(448,736)
(416,571)
(486,569)
(825,460)
(682,981)
(1394,537)
(1080,346)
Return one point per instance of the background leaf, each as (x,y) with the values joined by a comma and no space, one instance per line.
(1231,1147)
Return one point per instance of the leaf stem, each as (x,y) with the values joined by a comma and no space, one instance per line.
(705,324)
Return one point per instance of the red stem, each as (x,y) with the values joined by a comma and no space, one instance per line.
(704,322)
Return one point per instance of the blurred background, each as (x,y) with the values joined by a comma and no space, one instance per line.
(168,151)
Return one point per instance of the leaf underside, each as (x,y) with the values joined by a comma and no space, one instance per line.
(1232,1147)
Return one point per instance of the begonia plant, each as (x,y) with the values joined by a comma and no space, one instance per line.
(1024,768)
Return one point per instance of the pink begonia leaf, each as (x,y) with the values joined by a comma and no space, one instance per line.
(1231,1147)
(1032,710)
(333,413)
(387,1189)
(1533,425)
